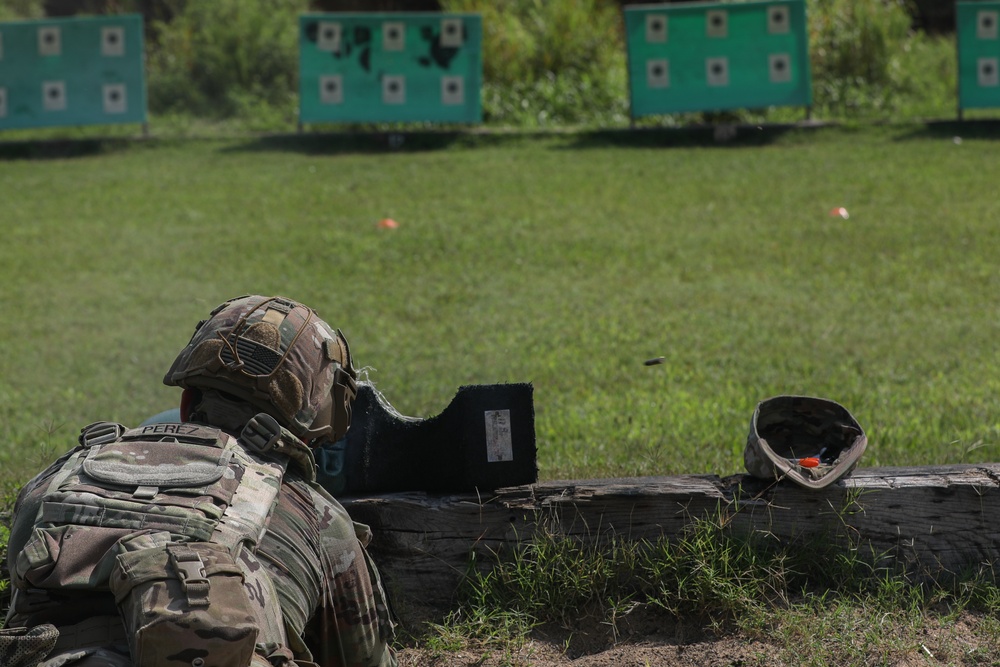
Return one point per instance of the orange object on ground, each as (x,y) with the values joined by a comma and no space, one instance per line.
(809,462)
(388,223)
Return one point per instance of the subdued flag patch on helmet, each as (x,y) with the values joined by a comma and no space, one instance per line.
(278,355)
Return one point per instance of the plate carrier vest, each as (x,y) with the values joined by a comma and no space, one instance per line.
(177,510)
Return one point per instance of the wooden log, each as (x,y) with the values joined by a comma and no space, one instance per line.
(934,520)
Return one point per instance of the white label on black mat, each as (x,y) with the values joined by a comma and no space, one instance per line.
(499,446)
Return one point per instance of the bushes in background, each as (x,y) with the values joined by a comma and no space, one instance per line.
(11,10)
(551,62)
(223,58)
(545,62)
(866,61)
(563,62)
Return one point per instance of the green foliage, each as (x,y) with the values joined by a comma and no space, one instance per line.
(546,63)
(708,575)
(222,58)
(525,258)
(806,597)
(13,10)
(563,63)
(551,62)
(857,51)
(8,494)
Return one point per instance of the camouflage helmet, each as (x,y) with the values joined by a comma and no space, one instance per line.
(811,441)
(279,356)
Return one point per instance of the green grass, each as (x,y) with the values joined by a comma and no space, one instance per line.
(810,603)
(563,260)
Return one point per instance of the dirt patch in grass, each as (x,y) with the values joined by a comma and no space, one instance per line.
(724,651)
(967,639)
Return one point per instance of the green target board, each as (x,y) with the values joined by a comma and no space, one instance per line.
(715,56)
(976,29)
(76,71)
(400,67)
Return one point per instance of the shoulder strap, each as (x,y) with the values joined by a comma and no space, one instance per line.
(246,518)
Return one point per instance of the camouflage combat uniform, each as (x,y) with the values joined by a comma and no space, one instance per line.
(161,529)
(331,600)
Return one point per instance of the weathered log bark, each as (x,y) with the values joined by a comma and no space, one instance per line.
(937,520)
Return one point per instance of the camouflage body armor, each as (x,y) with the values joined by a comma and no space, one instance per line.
(180,544)
(166,518)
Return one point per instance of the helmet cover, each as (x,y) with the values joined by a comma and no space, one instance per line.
(811,441)
(278,355)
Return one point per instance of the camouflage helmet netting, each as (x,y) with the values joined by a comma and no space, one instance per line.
(272,352)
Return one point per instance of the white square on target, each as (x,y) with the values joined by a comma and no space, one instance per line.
(451,33)
(113,41)
(780,67)
(658,73)
(499,444)
(115,100)
(393,36)
(656,28)
(54,95)
(986,24)
(328,36)
(987,71)
(331,89)
(452,90)
(3,102)
(49,41)
(777,19)
(717,23)
(717,71)
(393,89)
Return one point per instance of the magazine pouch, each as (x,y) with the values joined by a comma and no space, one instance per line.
(184,604)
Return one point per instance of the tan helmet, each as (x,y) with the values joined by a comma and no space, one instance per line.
(811,441)
(279,356)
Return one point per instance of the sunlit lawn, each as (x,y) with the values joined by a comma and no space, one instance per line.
(563,260)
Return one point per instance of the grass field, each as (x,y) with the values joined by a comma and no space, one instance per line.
(565,260)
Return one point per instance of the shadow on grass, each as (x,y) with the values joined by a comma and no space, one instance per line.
(693,136)
(436,139)
(335,143)
(60,149)
(950,129)
(350,141)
